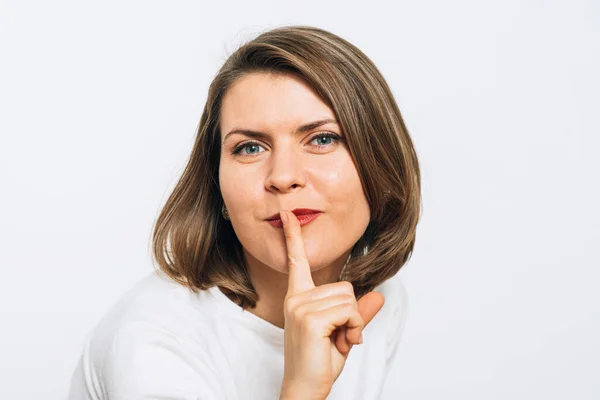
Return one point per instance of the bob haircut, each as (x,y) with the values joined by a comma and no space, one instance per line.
(194,245)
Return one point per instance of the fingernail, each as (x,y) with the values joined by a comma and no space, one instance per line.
(284,217)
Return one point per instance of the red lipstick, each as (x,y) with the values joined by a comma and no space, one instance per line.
(304,215)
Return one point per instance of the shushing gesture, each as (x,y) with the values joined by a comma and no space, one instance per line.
(321,323)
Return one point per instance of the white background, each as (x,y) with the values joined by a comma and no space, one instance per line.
(99,104)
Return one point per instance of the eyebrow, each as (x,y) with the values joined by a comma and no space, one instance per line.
(302,129)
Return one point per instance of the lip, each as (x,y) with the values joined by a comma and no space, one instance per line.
(302,218)
(297,212)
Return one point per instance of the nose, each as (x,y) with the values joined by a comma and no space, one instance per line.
(287,172)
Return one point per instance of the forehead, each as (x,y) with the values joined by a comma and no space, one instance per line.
(266,101)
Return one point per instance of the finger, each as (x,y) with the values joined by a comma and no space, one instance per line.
(329,290)
(326,321)
(342,340)
(300,278)
(348,334)
(368,306)
(326,302)
(343,344)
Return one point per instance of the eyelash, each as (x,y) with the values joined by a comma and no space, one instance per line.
(238,149)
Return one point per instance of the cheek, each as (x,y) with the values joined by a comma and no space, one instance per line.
(345,193)
(348,213)
(351,212)
(240,193)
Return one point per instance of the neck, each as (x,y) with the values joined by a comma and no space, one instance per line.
(272,285)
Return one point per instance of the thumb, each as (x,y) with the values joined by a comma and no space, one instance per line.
(368,306)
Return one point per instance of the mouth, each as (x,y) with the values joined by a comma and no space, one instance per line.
(304,215)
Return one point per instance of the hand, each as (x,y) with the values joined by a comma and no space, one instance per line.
(321,323)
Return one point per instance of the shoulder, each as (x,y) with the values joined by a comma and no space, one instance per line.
(146,359)
(156,300)
(143,346)
(395,309)
(141,360)
(396,296)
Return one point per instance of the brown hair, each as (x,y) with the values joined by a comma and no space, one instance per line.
(198,248)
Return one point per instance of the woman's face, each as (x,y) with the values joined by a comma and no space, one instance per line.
(287,169)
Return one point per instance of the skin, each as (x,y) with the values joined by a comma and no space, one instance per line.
(285,171)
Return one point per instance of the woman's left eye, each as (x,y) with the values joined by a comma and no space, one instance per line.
(327,135)
(318,137)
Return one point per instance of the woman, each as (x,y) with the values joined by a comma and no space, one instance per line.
(299,125)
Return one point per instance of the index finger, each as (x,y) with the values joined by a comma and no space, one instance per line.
(300,278)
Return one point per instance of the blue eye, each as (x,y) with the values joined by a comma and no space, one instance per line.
(244,146)
(325,135)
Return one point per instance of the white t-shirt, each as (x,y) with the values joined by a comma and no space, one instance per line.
(161,341)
